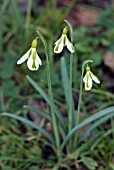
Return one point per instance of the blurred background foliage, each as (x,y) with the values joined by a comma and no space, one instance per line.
(93,23)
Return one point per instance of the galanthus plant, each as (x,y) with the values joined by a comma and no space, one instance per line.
(88,79)
(33,60)
(63,41)
(64,139)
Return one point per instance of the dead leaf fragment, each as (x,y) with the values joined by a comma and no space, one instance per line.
(108,59)
(86,16)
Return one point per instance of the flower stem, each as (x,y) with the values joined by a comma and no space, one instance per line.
(70,96)
(80,99)
(54,121)
(70,113)
(28,15)
(79,105)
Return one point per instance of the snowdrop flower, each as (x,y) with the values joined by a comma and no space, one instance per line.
(63,41)
(88,79)
(33,60)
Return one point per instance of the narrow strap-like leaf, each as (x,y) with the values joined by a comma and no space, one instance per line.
(37,110)
(98,122)
(46,98)
(65,79)
(30,123)
(92,118)
(65,82)
(18,17)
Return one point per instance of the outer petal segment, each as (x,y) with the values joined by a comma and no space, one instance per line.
(38,59)
(34,61)
(88,81)
(24,57)
(59,44)
(69,45)
(95,78)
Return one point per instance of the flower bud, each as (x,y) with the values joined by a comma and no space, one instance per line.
(34,43)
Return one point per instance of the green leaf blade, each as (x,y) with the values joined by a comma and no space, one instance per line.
(30,123)
(89,162)
(92,118)
(46,98)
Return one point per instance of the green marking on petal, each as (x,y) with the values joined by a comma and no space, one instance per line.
(69,45)
(56,48)
(64,39)
(87,84)
(34,58)
(59,43)
(72,48)
(91,75)
(34,55)
(33,65)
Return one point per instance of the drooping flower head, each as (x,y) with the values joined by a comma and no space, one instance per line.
(34,60)
(88,79)
(63,41)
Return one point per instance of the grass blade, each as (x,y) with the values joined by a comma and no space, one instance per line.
(4,7)
(30,123)
(65,79)
(65,82)
(46,98)
(46,115)
(18,17)
(97,141)
(98,122)
(92,118)
(37,110)
(2,11)
(28,17)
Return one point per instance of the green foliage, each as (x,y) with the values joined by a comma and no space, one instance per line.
(111,165)
(91,43)
(44,95)
(97,116)
(9,89)
(19,152)
(89,162)
(65,79)
(30,124)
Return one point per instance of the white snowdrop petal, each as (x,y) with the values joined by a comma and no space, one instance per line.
(88,81)
(69,45)
(32,64)
(29,63)
(24,57)
(38,59)
(84,79)
(59,40)
(59,44)
(95,78)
